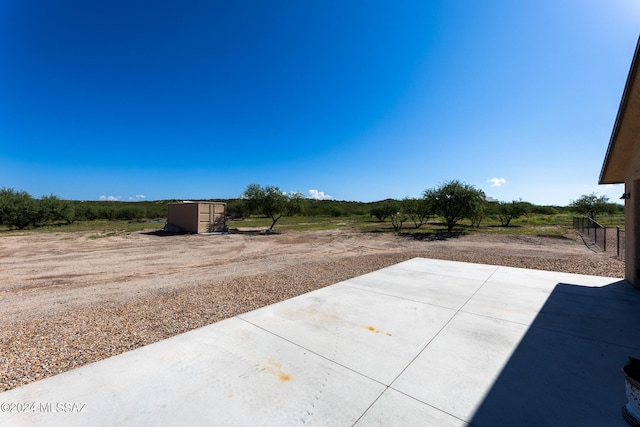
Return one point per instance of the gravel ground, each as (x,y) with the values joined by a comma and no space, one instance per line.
(68,300)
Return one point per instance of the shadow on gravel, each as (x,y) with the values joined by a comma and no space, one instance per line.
(432,237)
(166,233)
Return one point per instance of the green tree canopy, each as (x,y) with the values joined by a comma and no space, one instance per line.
(52,208)
(512,210)
(272,202)
(455,200)
(384,209)
(17,208)
(20,210)
(591,205)
(418,210)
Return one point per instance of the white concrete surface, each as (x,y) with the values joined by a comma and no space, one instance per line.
(373,334)
(424,342)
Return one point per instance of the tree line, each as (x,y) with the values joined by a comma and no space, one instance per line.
(452,201)
(18,209)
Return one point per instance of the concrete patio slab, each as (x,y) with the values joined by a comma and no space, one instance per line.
(396,409)
(554,378)
(436,289)
(369,333)
(545,279)
(232,374)
(464,270)
(424,342)
(453,372)
(516,303)
(593,312)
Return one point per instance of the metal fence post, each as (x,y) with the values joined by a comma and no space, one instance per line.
(618,242)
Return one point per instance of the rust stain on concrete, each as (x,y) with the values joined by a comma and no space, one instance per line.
(274,368)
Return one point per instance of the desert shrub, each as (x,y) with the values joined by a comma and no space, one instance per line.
(544,210)
(155,210)
(18,209)
(53,209)
(85,211)
(384,209)
(510,211)
(106,211)
(129,212)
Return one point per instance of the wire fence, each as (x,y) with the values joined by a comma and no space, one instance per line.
(606,239)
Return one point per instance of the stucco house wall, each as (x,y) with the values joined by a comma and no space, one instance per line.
(622,165)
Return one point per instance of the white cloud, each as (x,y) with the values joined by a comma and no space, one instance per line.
(319,195)
(497,182)
(110,198)
(137,197)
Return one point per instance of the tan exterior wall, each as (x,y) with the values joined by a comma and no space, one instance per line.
(632,231)
(632,219)
(633,170)
(201,217)
(629,238)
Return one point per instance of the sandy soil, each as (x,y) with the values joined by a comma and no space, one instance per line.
(67,299)
(45,274)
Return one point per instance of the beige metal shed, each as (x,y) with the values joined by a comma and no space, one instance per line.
(198,217)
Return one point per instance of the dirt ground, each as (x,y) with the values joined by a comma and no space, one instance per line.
(67,299)
(45,274)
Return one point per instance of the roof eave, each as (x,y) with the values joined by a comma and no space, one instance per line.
(607,175)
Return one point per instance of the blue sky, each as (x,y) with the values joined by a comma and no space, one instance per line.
(354,100)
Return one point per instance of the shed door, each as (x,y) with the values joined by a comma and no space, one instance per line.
(204,218)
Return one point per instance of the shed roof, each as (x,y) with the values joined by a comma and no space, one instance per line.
(625,130)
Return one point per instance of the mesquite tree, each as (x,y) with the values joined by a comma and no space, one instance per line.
(455,200)
(272,202)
